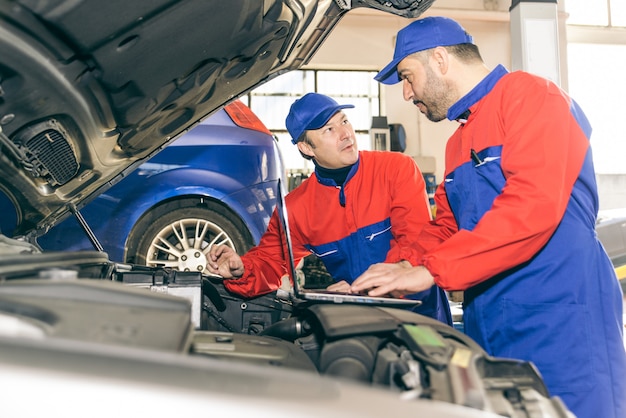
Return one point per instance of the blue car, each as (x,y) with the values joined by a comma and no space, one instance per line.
(216,184)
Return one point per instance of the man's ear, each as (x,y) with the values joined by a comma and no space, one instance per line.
(305,148)
(441,58)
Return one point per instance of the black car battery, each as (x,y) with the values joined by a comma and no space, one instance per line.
(213,307)
(226,311)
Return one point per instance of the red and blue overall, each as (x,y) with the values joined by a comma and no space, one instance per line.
(373,218)
(515,229)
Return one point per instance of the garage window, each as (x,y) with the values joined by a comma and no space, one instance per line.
(595,34)
(596,12)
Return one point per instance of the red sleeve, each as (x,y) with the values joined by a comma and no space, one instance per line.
(410,210)
(263,265)
(440,229)
(543,150)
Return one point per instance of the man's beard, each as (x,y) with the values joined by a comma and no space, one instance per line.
(437,97)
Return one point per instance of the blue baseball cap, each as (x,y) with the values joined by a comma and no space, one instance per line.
(420,35)
(311,111)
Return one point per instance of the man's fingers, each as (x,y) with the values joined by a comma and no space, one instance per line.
(219,250)
(225,271)
(341,286)
(381,290)
(369,280)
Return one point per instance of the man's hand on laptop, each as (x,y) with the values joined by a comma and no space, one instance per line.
(395,279)
(224,261)
(342,286)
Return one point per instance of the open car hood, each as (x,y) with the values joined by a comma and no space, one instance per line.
(89,88)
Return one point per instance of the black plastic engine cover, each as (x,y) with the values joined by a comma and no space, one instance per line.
(418,356)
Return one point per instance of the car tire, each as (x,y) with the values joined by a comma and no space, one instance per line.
(179,235)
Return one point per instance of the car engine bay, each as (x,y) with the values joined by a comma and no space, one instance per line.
(84,297)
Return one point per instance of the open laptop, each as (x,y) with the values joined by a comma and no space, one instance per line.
(324,295)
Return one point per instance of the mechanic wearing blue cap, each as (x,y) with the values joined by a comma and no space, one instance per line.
(515,224)
(356,209)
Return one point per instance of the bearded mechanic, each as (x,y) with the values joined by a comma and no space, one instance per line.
(356,209)
(515,221)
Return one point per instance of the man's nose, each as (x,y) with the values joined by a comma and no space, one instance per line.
(407,90)
(345,132)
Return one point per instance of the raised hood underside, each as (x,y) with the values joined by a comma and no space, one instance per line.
(91,88)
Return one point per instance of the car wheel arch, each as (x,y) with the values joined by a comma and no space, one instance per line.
(184,203)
